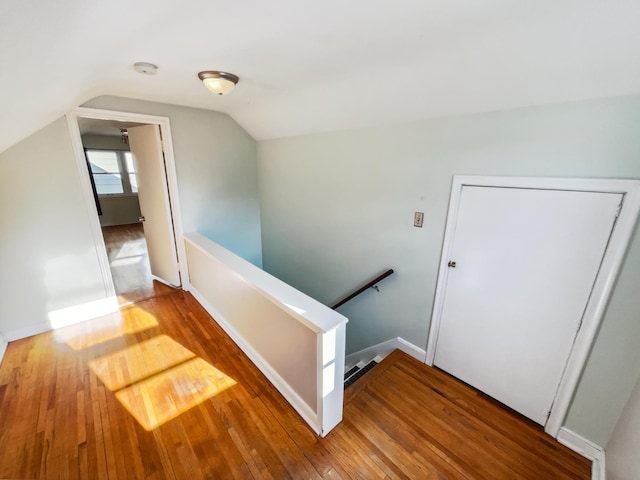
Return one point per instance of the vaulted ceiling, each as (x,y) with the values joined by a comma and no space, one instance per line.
(308,66)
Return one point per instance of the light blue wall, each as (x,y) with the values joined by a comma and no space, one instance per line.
(216,169)
(623,461)
(338,208)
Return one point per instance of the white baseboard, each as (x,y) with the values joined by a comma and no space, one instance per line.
(65,317)
(384,349)
(411,349)
(587,449)
(28,331)
(3,347)
(281,385)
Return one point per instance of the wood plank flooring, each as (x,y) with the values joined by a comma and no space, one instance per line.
(71,401)
(129,264)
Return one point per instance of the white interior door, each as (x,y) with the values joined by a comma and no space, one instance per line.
(146,149)
(525,264)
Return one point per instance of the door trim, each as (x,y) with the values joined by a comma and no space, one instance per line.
(172,186)
(603,286)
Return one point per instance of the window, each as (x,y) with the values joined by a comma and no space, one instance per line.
(113,172)
(131,170)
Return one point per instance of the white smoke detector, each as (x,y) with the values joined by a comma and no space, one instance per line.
(145,68)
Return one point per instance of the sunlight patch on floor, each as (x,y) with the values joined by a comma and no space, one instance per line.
(124,262)
(165,396)
(100,330)
(139,361)
(132,248)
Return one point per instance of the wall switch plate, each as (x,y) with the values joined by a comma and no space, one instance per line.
(417,219)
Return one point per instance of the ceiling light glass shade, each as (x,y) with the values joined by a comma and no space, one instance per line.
(219,83)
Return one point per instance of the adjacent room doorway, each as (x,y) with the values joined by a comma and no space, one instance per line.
(138,251)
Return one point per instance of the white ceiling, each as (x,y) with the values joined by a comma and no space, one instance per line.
(309,66)
(112,128)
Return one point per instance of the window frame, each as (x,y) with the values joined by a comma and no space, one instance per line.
(125,179)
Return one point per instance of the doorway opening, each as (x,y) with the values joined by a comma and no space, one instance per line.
(131,193)
(129,264)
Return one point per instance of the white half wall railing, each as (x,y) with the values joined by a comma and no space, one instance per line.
(297,342)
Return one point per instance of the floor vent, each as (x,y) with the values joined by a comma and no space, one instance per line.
(356,372)
(351,371)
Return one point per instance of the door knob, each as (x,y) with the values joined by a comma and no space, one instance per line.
(452,264)
(141,219)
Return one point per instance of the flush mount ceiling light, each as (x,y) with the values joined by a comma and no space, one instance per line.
(219,83)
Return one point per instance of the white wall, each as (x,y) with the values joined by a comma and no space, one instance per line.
(46,247)
(119,210)
(623,450)
(338,208)
(217,173)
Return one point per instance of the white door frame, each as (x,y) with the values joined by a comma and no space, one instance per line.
(602,288)
(172,185)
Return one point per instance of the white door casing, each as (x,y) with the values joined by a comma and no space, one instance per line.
(591,315)
(172,184)
(146,149)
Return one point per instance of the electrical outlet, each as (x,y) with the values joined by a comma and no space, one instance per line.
(417,219)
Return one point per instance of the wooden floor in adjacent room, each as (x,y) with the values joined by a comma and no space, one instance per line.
(129,264)
(159,391)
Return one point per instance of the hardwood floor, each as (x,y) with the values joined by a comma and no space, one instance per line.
(129,263)
(159,391)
